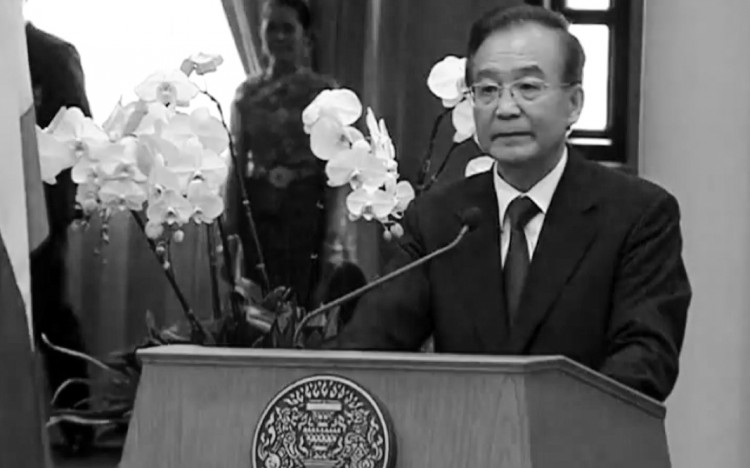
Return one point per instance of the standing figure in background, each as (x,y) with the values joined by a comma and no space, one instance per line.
(57,80)
(301,222)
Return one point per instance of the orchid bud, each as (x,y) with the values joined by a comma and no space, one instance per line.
(178,236)
(397,230)
(154,230)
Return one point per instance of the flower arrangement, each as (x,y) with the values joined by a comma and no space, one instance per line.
(166,164)
(165,161)
(368,165)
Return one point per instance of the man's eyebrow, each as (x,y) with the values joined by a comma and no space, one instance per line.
(526,70)
(529,70)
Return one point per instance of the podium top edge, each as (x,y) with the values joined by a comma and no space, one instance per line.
(332,360)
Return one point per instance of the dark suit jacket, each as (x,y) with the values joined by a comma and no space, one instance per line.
(607,286)
(57,80)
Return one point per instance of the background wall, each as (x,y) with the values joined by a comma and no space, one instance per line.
(696,142)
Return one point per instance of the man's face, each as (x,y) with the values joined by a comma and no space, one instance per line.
(513,129)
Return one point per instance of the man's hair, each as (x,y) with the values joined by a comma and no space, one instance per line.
(299,6)
(505,18)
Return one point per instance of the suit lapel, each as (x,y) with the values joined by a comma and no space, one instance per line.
(568,230)
(478,268)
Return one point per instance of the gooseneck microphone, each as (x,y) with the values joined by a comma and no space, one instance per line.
(470,219)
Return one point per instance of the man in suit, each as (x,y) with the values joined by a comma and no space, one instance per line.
(57,80)
(568,258)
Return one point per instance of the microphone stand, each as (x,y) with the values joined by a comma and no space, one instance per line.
(357,292)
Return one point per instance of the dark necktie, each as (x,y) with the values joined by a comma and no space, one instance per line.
(520,211)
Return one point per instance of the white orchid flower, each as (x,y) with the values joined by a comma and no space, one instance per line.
(82,141)
(170,88)
(328,138)
(201,63)
(382,146)
(479,165)
(358,167)
(122,194)
(54,156)
(170,208)
(124,120)
(447,80)
(370,204)
(160,181)
(342,105)
(200,123)
(404,193)
(463,121)
(207,203)
(192,160)
(123,161)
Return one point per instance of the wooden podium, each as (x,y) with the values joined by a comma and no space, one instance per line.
(199,407)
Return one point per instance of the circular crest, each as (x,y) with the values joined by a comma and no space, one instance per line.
(324,421)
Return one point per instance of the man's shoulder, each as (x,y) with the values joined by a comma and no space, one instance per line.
(623,188)
(625,198)
(449,201)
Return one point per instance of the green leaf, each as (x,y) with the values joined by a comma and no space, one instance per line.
(79,355)
(65,385)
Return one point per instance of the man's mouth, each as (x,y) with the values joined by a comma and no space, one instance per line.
(510,135)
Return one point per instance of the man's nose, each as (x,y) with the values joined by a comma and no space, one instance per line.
(507,107)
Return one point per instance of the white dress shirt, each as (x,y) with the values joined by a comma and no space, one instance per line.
(541,194)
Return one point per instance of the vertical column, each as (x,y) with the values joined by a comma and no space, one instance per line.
(695,141)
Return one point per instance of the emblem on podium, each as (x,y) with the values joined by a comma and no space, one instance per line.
(324,422)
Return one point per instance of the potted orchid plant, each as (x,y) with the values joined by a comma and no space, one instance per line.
(165,164)
(163,161)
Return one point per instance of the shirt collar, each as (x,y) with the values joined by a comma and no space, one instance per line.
(541,193)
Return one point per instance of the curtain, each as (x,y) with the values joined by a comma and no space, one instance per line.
(243,17)
(113,286)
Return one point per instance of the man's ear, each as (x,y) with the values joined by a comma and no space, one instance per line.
(575,103)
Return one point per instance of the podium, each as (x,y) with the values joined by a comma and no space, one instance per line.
(207,407)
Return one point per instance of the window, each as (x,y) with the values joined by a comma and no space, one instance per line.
(610,33)
(122,42)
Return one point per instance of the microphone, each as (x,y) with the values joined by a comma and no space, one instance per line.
(470,219)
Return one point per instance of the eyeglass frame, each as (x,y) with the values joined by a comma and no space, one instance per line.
(502,87)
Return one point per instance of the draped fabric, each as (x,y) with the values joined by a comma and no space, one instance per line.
(114,285)
(244,21)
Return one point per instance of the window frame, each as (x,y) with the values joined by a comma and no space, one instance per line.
(625,20)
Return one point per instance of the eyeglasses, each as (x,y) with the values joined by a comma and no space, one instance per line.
(523,90)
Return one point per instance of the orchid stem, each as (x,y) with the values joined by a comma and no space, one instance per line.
(427,161)
(213,269)
(243,192)
(443,163)
(198,333)
(229,265)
